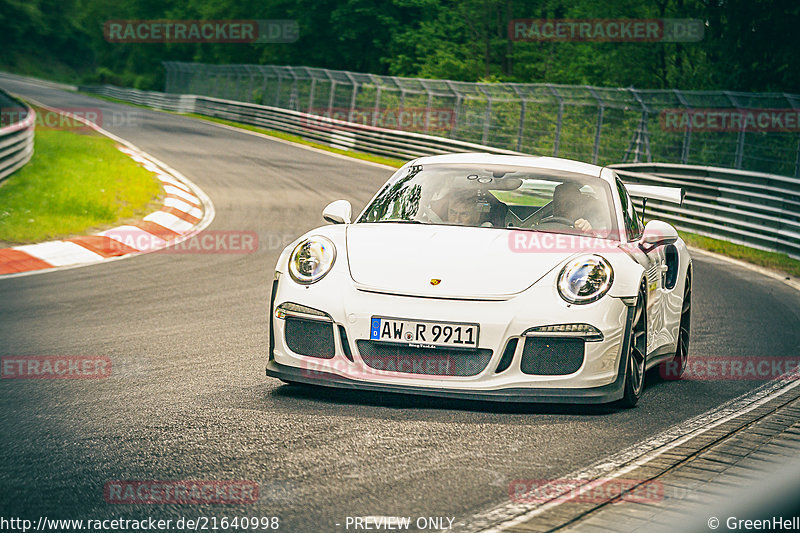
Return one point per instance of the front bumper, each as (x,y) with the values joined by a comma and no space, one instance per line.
(599,379)
(604,394)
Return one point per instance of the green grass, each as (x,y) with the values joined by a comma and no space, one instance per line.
(76,182)
(772,260)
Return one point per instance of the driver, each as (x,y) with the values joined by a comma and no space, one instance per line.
(464,209)
(569,203)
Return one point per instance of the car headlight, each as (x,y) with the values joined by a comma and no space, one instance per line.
(311,259)
(586,279)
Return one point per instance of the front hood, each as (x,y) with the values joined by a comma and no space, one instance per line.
(474,263)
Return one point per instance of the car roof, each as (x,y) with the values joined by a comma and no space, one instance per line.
(534,162)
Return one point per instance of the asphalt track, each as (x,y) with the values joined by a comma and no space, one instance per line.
(188,399)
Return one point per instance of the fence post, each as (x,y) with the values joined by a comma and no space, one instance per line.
(294,96)
(263,71)
(522,109)
(377,107)
(740,138)
(642,136)
(278,88)
(456,108)
(353,97)
(217,73)
(687,134)
(487,118)
(428,107)
(333,90)
(557,141)
(311,93)
(596,148)
(250,85)
(168,79)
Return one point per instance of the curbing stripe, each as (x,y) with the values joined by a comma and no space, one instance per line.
(191,219)
(13,261)
(184,207)
(180,193)
(166,179)
(136,238)
(156,230)
(105,246)
(184,200)
(169,221)
(60,253)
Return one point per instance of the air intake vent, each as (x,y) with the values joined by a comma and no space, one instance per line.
(508,356)
(552,356)
(408,360)
(313,338)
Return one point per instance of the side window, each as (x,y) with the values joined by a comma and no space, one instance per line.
(633,227)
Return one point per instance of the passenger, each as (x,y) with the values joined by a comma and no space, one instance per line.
(570,204)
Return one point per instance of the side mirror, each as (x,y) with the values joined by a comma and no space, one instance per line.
(657,233)
(338,212)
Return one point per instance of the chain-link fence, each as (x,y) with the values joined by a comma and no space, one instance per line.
(751,131)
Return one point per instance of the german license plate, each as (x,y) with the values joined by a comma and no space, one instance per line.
(424,333)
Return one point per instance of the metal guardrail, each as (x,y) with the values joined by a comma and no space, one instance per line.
(752,208)
(17,122)
(336,133)
(602,125)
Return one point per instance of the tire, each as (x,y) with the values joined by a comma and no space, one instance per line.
(682,351)
(635,358)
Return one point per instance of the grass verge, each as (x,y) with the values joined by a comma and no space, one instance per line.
(772,260)
(76,182)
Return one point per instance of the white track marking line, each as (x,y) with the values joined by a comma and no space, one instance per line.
(785,278)
(60,253)
(511,514)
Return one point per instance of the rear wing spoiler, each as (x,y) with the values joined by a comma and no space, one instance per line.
(656,192)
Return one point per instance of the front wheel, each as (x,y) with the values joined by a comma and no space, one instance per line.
(682,352)
(635,358)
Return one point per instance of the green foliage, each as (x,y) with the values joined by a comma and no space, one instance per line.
(749,45)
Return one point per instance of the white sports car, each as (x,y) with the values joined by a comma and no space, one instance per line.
(486,277)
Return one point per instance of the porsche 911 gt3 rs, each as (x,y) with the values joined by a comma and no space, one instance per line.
(490,277)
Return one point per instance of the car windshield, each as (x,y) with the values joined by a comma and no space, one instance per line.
(496,196)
